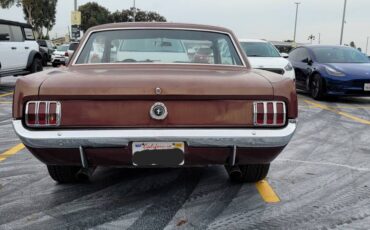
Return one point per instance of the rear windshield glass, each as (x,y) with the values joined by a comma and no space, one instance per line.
(62,48)
(339,55)
(73,46)
(259,49)
(159,46)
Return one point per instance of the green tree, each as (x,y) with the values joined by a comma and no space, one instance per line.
(93,14)
(49,11)
(141,16)
(149,16)
(120,16)
(38,13)
(8,3)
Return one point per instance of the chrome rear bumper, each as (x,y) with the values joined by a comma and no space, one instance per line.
(196,137)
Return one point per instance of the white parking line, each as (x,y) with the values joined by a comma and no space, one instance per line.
(326,164)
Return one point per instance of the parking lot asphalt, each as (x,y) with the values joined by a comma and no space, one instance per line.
(320,181)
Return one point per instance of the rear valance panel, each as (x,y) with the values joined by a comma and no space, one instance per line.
(136,113)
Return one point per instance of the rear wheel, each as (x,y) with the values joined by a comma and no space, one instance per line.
(66,174)
(36,65)
(248,173)
(317,87)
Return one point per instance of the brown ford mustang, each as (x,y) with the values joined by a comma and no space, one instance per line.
(136,95)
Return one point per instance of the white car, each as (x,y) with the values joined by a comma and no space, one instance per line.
(264,55)
(62,54)
(59,55)
(19,51)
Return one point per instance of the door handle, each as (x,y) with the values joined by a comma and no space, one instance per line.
(26,47)
(14,48)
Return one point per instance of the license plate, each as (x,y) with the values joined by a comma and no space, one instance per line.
(367,87)
(158,153)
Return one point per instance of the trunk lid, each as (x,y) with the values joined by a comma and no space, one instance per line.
(123,98)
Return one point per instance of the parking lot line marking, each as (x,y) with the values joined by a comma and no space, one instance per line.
(6,102)
(338,107)
(266,192)
(325,164)
(344,114)
(10,152)
(6,94)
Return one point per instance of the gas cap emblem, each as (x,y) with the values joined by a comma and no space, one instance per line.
(158,111)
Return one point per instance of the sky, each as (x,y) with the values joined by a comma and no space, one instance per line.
(262,19)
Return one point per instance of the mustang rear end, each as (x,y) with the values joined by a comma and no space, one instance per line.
(133,96)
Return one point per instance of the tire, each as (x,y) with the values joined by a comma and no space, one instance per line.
(45,60)
(54,64)
(317,87)
(249,173)
(36,65)
(65,174)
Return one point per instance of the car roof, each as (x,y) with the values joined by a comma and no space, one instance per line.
(13,23)
(253,40)
(164,25)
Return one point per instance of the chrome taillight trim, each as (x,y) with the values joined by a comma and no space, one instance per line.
(58,112)
(265,103)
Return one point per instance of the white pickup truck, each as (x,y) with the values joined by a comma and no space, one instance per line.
(19,51)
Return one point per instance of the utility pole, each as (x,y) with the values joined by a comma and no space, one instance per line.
(367,44)
(319,38)
(134,11)
(296,19)
(343,22)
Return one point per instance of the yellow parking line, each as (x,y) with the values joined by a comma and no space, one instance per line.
(266,192)
(11,152)
(338,107)
(344,114)
(6,94)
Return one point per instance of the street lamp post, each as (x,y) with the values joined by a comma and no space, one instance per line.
(319,38)
(367,44)
(296,19)
(343,22)
(134,11)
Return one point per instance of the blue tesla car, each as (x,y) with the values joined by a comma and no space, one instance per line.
(331,70)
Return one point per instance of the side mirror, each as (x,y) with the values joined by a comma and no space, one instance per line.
(284,55)
(307,61)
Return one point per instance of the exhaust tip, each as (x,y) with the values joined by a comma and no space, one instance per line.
(235,171)
(84,175)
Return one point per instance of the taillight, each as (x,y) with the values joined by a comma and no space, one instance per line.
(269,113)
(43,113)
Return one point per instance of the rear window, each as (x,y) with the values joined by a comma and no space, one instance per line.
(153,45)
(29,34)
(73,46)
(159,46)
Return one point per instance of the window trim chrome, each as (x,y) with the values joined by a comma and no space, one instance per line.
(77,56)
